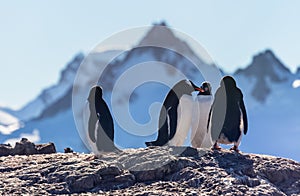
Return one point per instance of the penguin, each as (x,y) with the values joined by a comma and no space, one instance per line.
(169,120)
(100,128)
(228,118)
(199,136)
(184,120)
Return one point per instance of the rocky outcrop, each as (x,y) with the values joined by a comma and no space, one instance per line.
(150,171)
(25,147)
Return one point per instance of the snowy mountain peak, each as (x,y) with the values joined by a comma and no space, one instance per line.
(160,35)
(266,65)
(264,70)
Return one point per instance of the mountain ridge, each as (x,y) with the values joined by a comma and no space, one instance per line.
(265,68)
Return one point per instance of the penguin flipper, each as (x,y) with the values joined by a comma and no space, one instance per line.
(244,113)
(209,117)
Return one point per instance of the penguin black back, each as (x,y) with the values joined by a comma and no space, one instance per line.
(227,110)
(100,122)
(168,113)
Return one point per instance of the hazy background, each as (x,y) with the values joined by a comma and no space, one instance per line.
(39,37)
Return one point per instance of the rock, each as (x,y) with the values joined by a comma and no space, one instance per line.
(84,183)
(25,147)
(149,171)
(68,150)
(5,149)
(109,171)
(183,151)
(46,148)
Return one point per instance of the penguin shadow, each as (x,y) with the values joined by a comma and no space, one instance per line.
(238,165)
(184,151)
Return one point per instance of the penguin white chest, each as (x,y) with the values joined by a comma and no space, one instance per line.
(184,120)
(85,136)
(200,136)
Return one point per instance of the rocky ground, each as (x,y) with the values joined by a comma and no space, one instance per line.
(150,171)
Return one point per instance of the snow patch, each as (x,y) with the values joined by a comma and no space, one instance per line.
(8,123)
(7,119)
(296,84)
(7,130)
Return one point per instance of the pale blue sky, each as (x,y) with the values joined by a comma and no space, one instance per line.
(38,38)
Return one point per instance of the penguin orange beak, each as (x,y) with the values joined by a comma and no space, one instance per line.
(199,89)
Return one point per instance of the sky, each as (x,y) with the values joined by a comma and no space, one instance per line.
(38,38)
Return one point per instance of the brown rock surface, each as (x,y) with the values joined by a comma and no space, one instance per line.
(150,171)
(25,147)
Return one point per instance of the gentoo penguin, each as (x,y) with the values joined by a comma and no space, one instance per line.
(228,118)
(184,120)
(168,119)
(100,123)
(199,136)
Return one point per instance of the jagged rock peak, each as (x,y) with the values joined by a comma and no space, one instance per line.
(266,64)
(161,23)
(161,35)
(265,68)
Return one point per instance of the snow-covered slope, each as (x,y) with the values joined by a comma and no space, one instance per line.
(8,122)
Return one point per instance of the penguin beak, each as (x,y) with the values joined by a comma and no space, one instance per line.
(199,89)
(196,88)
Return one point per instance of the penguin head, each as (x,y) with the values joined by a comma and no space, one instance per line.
(195,88)
(95,93)
(206,89)
(228,82)
(185,87)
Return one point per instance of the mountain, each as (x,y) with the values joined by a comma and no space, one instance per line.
(266,69)
(129,80)
(273,109)
(150,171)
(53,94)
(298,72)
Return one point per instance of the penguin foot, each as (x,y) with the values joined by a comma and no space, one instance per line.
(149,144)
(154,143)
(216,147)
(235,148)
